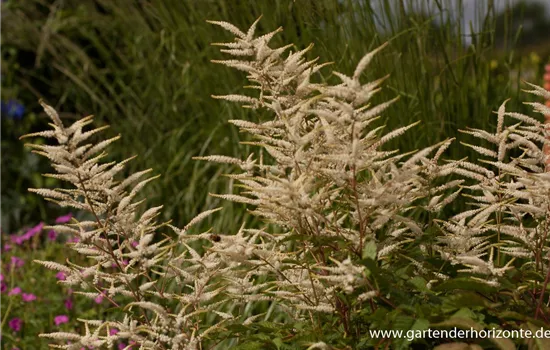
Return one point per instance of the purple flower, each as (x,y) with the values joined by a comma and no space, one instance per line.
(61,276)
(7,247)
(15,291)
(68,303)
(113,331)
(135,244)
(28,297)
(12,109)
(28,235)
(73,240)
(17,239)
(121,346)
(15,324)
(60,319)
(3,286)
(34,231)
(63,219)
(99,298)
(1,277)
(18,262)
(52,235)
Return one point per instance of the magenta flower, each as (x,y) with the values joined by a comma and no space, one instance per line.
(18,262)
(3,286)
(113,331)
(15,324)
(63,219)
(28,235)
(52,235)
(17,240)
(15,291)
(1,277)
(99,299)
(121,346)
(28,297)
(68,303)
(61,276)
(135,244)
(73,240)
(34,231)
(7,247)
(60,319)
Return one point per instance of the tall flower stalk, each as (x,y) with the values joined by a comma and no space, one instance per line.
(324,175)
(350,226)
(162,286)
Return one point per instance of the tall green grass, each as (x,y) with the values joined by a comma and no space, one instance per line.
(144,68)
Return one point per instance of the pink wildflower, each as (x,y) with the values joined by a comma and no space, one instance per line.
(68,303)
(73,240)
(15,291)
(17,240)
(15,324)
(34,231)
(60,319)
(113,331)
(63,219)
(61,276)
(99,299)
(27,297)
(28,235)
(52,235)
(18,262)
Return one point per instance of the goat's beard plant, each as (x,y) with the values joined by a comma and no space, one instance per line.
(347,249)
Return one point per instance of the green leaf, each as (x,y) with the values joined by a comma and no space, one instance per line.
(464,283)
(369,250)
(253,345)
(464,313)
(420,324)
(420,284)
(278,342)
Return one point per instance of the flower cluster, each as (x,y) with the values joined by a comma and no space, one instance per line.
(338,204)
(163,285)
(324,173)
(15,274)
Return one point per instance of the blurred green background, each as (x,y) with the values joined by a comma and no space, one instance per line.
(144,68)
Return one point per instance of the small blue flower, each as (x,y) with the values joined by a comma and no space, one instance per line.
(13,109)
